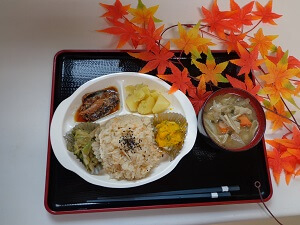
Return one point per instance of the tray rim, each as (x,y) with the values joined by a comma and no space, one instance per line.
(158,206)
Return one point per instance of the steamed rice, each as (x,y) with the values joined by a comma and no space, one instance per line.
(126,147)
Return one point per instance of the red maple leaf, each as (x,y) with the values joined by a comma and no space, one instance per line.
(243,15)
(275,163)
(292,61)
(292,145)
(247,85)
(276,145)
(198,96)
(150,36)
(126,31)
(157,58)
(179,79)
(265,14)
(279,162)
(248,60)
(115,11)
(232,40)
(219,21)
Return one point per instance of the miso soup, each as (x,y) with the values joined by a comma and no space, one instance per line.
(230,120)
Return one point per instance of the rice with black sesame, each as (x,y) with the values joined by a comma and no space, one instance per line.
(126,147)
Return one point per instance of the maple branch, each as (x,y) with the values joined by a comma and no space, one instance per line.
(213,35)
(275,112)
(168,28)
(256,80)
(295,121)
(287,129)
(194,78)
(262,70)
(290,132)
(253,27)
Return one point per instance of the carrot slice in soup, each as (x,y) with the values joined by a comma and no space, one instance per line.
(244,121)
(223,128)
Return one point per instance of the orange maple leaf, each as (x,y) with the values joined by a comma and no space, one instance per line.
(297,173)
(278,121)
(265,14)
(190,40)
(219,21)
(179,79)
(243,15)
(264,43)
(198,95)
(248,60)
(126,31)
(211,71)
(248,85)
(115,11)
(150,36)
(275,93)
(277,80)
(142,14)
(292,145)
(203,48)
(157,58)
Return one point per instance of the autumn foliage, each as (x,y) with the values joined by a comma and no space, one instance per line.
(276,72)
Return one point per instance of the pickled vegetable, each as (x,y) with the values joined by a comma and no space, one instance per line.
(79,141)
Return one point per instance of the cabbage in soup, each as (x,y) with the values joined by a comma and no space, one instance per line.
(230,120)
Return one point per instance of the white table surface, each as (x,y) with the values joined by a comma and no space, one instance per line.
(31,32)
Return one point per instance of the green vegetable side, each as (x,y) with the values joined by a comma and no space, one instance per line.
(79,141)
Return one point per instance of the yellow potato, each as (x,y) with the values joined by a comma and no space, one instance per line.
(130,89)
(161,104)
(146,90)
(145,101)
(139,94)
(154,94)
(146,105)
(131,103)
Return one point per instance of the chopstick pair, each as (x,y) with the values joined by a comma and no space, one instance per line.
(214,192)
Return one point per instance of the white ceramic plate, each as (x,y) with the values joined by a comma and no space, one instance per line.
(63,121)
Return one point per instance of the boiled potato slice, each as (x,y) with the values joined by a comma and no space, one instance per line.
(146,91)
(132,103)
(130,89)
(145,101)
(139,94)
(145,106)
(139,86)
(154,94)
(161,104)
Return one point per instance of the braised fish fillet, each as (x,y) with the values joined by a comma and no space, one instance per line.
(98,104)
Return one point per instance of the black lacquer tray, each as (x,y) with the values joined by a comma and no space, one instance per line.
(203,167)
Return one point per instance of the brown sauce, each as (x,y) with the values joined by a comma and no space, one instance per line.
(79,118)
